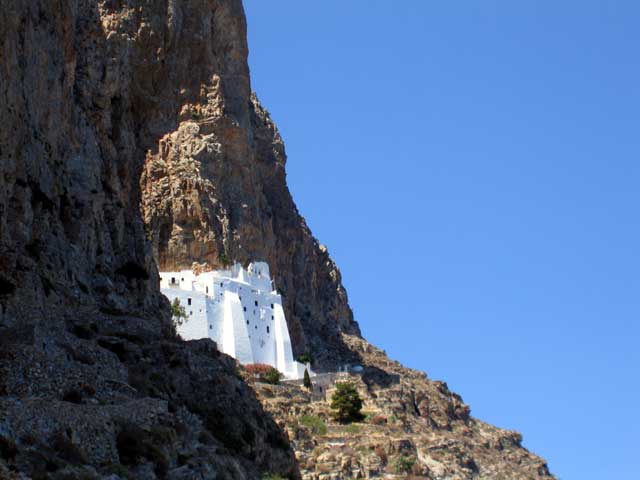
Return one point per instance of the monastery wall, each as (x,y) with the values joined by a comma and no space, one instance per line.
(239,310)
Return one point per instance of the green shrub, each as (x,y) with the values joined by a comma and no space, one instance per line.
(347,403)
(314,423)
(352,429)
(404,464)
(306,357)
(178,313)
(264,373)
(273,376)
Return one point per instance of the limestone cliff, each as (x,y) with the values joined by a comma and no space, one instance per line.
(215,191)
(92,382)
(106,105)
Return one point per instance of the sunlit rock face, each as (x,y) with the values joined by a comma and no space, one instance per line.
(214,190)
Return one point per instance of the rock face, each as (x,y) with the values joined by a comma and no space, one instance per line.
(92,382)
(413,425)
(215,191)
(106,105)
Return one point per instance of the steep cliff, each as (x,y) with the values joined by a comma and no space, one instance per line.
(215,191)
(92,381)
(109,105)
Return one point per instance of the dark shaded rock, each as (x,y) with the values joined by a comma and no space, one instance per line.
(87,90)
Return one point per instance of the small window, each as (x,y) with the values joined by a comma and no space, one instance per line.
(247,322)
(191,313)
(271,317)
(244,308)
(256,327)
(256,303)
(240,297)
(210,327)
(267,329)
(221,284)
(188,301)
(182,279)
(272,305)
(173,280)
(207,289)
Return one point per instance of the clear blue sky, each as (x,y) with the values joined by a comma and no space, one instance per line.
(478,161)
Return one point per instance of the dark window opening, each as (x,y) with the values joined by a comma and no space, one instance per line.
(267,329)
(244,308)
(256,303)
(188,301)
(272,305)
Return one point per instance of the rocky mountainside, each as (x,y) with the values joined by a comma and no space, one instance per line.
(92,381)
(413,426)
(215,191)
(129,138)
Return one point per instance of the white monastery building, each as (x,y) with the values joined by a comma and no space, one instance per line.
(238,309)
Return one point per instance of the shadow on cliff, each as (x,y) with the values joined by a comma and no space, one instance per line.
(92,382)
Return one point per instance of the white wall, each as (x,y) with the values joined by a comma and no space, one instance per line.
(196,324)
(239,310)
(236,339)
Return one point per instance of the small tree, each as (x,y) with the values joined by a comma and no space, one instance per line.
(307,380)
(306,357)
(273,376)
(347,403)
(178,313)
